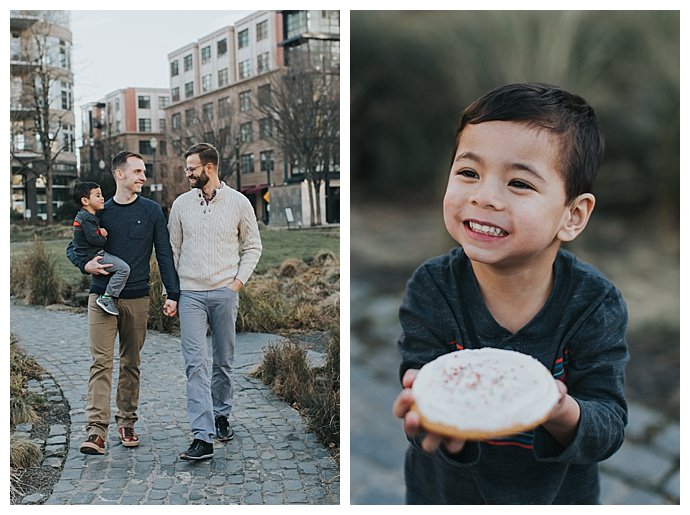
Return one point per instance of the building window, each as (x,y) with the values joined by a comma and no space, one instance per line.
(189,89)
(262,61)
(247,163)
(145,148)
(205,54)
(245,101)
(162,125)
(207,110)
(163,101)
(224,106)
(245,67)
(206,83)
(246,132)
(263,93)
(174,68)
(65,100)
(189,115)
(262,30)
(266,128)
(144,102)
(243,38)
(222,47)
(176,121)
(297,23)
(188,62)
(144,124)
(222,77)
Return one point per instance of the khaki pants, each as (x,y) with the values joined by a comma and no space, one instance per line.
(131,327)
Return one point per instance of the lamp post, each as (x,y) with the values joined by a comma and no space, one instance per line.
(154,186)
(237,163)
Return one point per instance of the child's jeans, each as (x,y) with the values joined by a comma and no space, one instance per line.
(119,273)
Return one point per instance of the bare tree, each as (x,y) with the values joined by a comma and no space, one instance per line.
(219,128)
(305,107)
(37,95)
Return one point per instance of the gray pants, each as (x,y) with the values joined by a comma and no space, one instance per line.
(119,273)
(208,397)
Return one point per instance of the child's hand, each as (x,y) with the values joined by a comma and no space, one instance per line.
(564,417)
(103,232)
(412,422)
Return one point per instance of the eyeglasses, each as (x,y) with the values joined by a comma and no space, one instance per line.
(191,168)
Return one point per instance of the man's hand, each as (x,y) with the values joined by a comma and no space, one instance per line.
(170,308)
(95,268)
(412,422)
(236,285)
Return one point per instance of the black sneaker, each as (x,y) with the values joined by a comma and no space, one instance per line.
(199,450)
(223,431)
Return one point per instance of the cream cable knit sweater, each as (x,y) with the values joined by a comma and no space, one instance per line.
(213,243)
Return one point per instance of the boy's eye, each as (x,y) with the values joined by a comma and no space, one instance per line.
(516,183)
(467,173)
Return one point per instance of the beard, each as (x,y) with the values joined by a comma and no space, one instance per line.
(200,181)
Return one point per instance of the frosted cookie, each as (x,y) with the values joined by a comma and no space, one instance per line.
(476,394)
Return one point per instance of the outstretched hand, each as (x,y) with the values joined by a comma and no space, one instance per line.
(412,424)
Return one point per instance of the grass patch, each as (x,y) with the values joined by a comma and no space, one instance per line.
(315,392)
(33,277)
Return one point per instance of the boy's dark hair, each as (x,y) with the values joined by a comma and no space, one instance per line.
(549,107)
(120,159)
(83,189)
(207,153)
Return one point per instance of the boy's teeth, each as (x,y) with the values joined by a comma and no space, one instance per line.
(486,229)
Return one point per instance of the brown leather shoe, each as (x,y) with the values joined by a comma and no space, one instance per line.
(128,437)
(94,444)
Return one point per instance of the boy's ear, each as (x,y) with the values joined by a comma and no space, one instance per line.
(577,217)
(84,201)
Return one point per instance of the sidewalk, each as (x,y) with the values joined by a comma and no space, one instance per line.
(271,460)
(646,470)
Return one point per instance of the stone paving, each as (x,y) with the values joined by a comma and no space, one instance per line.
(271,460)
(646,470)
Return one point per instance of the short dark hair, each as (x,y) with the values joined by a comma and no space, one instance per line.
(83,190)
(120,159)
(207,153)
(552,108)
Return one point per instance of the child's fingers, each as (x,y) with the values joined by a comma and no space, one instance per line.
(431,442)
(409,377)
(412,424)
(453,446)
(403,403)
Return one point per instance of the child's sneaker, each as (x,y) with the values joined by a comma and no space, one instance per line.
(107,304)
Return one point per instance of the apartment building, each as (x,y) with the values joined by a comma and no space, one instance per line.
(218,86)
(41,55)
(128,119)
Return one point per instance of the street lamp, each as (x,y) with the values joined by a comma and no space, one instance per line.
(154,186)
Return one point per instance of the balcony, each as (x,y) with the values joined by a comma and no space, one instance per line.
(22,20)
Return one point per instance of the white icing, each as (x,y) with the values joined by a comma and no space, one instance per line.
(485,390)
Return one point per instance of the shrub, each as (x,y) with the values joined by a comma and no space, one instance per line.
(315,392)
(34,277)
(24,453)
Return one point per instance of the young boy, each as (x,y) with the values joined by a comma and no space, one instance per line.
(89,239)
(520,184)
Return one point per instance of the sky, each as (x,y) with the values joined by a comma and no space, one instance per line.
(119,49)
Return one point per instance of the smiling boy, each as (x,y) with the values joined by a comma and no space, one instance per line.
(520,185)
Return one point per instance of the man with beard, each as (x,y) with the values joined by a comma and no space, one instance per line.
(216,246)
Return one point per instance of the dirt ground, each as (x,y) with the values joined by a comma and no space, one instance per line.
(642,259)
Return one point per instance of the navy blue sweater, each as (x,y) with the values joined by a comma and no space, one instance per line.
(579,335)
(133,231)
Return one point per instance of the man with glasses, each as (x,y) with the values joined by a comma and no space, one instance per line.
(216,246)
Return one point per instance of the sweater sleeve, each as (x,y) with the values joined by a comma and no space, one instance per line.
(89,226)
(595,378)
(250,242)
(72,256)
(175,231)
(164,256)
